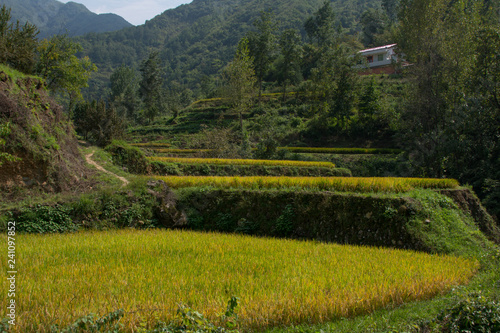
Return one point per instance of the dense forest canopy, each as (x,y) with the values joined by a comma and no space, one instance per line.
(200,38)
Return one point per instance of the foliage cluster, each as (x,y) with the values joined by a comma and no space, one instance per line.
(44,219)
(97,123)
(473,313)
(37,132)
(138,206)
(5,131)
(278,282)
(450,119)
(129,156)
(54,60)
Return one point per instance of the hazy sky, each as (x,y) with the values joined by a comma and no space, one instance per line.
(134,11)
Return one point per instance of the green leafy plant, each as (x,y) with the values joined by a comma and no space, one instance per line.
(473,313)
(285,222)
(189,320)
(91,324)
(44,219)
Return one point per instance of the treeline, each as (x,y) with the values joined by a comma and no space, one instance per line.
(52,59)
(322,64)
(198,39)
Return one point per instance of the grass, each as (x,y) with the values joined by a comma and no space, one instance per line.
(279,282)
(348,184)
(221,161)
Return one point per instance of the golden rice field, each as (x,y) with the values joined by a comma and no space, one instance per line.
(222,161)
(346,184)
(179,151)
(279,282)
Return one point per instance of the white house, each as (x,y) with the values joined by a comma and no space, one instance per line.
(380,59)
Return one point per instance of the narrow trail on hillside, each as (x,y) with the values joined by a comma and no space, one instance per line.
(89,160)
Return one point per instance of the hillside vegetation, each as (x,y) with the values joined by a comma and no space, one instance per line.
(38,137)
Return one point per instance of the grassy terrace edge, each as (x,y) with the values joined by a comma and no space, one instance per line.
(222,161)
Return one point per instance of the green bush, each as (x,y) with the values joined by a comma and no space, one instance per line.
(285,222)
(473,313)
(44,219)
(130,157)
(92,324)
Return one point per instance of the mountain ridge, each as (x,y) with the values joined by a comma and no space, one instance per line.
(53,17)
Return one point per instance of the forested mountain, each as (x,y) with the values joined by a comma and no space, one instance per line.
(54,17)
(200,38)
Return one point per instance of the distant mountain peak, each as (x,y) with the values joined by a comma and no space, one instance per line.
(54,17)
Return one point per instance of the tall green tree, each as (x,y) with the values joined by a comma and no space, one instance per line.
(320,27)
(391,9)
(17,43)
(373,24)
(64,72)
(438,38)
(450,121)
(98,123)
(239,78)
(151,86)
(323,33)
(262,46)
(124,88)
(290,58)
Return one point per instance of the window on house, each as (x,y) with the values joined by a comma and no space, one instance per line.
(369,59)
(380,57)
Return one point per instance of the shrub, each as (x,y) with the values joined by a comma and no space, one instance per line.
(473,313)
(131,157)
(44,219)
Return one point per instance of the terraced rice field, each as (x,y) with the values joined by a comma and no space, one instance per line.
(347,184)
(222,161)
(279,282)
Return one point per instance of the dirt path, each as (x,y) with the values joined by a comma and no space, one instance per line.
(88,157)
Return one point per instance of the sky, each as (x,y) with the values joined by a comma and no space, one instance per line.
(134,11)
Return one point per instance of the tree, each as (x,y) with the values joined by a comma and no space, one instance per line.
(373,24)
(320,27)
(262,46)
(61,69)
(240,79)
(97,123)
(450,121)
(369,109)
(322,33)
(150,86)
(17,43)
(438,39)
(335,85)
(124,87)
(391,9)
(289,64)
